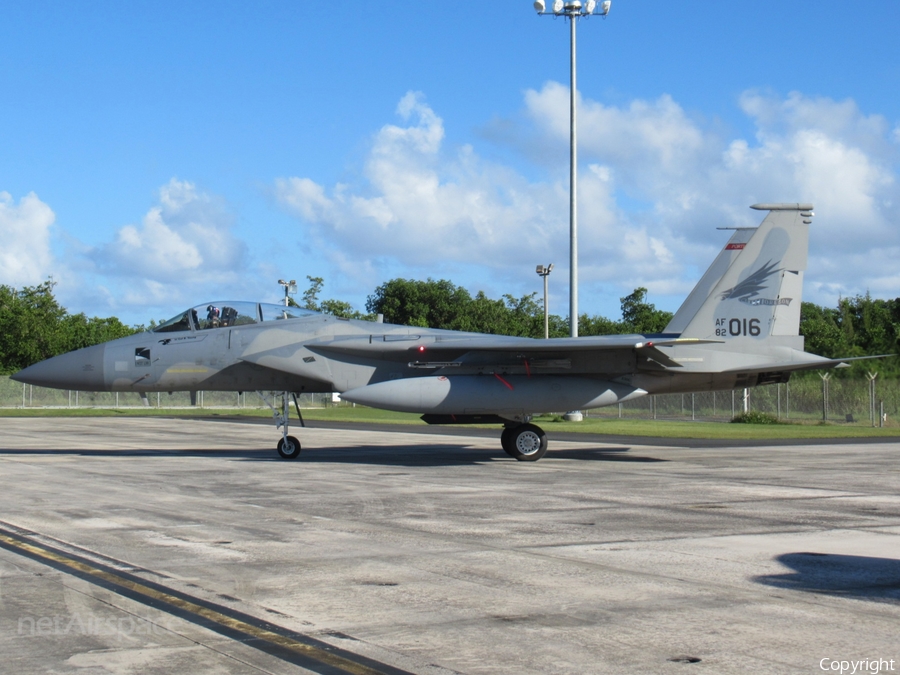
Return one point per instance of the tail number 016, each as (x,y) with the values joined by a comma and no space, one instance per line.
(736,327)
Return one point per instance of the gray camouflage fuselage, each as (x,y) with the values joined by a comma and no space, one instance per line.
(738,328)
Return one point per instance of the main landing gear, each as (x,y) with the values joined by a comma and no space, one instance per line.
(524,442)
(288,446)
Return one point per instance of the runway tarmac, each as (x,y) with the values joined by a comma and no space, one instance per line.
(140,545)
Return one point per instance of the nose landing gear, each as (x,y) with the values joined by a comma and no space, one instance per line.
(288,446)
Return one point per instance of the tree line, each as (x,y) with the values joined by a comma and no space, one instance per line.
(34,326)
(442,304)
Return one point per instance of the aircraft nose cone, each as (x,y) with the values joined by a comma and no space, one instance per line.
(81,369)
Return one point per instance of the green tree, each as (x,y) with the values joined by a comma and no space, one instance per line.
(483,315)
(639,316)
(524,317)
(29,325)
(821,329)
(429,304)
(80,331)
(334,307)
(858,326)
(875,330)
(311,294)
(342,309)
(597,325)
(442,304)
(34,326)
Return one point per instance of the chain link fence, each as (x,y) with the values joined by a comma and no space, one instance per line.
(17,395)
(854,401)
(851,401)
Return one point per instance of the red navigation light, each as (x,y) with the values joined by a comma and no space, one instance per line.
(421,348)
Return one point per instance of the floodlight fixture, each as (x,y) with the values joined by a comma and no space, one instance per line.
(574,9)
(545,272)
(290,288)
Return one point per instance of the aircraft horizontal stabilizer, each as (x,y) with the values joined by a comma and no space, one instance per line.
(814,363)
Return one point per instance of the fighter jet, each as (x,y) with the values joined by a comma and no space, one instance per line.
(739,327)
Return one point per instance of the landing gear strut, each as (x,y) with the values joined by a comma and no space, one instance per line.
(524,442)
(288,446)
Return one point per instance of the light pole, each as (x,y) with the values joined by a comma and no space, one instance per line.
(545,272)
(573,10)
(290,288)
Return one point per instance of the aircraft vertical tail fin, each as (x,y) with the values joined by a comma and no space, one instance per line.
(758,296)
(708,281)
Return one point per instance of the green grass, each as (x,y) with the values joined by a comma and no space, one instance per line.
(716,430)
(361,414)
(642,427)
(613,426)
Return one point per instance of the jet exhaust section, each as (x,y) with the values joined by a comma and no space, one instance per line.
(502,394)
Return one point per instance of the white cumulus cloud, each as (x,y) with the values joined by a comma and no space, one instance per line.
(691,179)
(25,254)
(654,183)
(184,246)
(405,202)
(431,208)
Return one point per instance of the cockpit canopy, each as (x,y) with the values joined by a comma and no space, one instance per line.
(228,313)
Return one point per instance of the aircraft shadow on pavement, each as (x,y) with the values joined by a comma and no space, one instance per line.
(851,576)
(449,455)
(407,455)
(262,453)
(603,454)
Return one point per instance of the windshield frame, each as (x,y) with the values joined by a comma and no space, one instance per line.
(229,314)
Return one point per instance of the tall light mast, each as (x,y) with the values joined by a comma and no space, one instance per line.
(573,10)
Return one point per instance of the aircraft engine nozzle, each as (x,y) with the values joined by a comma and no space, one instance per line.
(497,394)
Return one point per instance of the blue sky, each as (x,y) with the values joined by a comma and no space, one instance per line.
(158,155)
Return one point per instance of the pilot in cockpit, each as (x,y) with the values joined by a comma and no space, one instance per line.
(212,316)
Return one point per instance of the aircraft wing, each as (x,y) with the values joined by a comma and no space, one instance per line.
(404,346)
